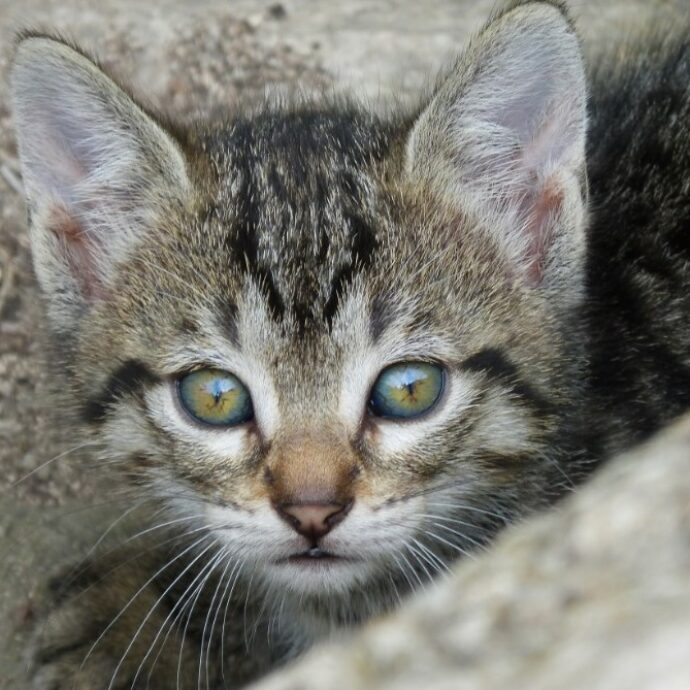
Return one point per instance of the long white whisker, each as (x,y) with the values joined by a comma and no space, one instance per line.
(455,547)
(403,572)
(150,613)
(193,601)
(464,507)
(122,611)
(230,577)
(246,607)
(209,617)
(436,564)
(171,612)
(225,618)
(65,453)
(162,525)
(460,534)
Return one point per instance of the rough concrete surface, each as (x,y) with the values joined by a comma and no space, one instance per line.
(192,58)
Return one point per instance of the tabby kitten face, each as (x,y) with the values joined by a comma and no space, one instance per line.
(337,341)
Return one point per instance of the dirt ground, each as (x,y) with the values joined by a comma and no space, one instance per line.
(191,58)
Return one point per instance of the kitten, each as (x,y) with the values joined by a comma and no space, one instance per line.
(334,350)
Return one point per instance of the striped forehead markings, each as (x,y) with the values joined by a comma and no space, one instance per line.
(302,240)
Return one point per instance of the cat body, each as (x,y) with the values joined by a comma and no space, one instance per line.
(412,330)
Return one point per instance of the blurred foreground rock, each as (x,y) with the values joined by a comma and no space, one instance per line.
(595,595)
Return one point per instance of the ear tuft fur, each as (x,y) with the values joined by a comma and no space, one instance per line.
(95,168)
(504,138)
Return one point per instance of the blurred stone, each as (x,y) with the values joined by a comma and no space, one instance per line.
(277,11)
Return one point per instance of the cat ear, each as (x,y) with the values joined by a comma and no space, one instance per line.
(96,170)
(504,138)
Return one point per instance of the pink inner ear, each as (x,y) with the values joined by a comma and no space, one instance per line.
(539,229)
(78,249)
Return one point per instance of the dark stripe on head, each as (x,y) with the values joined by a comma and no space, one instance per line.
(497,366)
(188,327)
(265,279)
(226,317)
(364,245)
(243,241)
(129,379)
(380,317)
(341,279)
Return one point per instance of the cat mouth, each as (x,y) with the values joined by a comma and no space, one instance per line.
(314,556)
(316,571)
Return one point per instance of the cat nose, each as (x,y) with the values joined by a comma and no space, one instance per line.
(313,520)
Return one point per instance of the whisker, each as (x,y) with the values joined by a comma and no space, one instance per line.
(218,608)
(246,607)
(122,611)
(200,588)
(84,566)
(178,615)
(79,567)
(173,615)
(151,611)
(463,535)
(204,668)
(148,530)
(403,572)
(455,547)
(418,559)
(459,507)
(225,618)
(413,570)
(441,566)
(61,455)
(438,520)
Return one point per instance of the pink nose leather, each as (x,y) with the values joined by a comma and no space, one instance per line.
(313,520)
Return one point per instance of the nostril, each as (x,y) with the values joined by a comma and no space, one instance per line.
(313,520)
(338,516)
(291,519)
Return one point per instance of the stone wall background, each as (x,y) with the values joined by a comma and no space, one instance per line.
(191,58)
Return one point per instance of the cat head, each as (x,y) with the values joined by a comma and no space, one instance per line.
(338,345)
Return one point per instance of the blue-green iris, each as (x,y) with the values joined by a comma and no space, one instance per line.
(406,390)
(215,397)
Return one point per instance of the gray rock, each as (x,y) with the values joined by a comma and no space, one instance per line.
(595,594)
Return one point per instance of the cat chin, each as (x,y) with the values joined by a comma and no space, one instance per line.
(317,576)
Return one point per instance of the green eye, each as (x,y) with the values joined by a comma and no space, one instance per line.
(406,390)
(215,397)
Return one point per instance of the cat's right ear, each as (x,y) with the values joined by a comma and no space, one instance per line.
(96,168)
(503,138)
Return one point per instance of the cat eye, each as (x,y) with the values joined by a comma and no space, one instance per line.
(215,397)
(407,390)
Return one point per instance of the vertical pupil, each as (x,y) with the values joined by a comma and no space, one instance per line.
(409,381)
(218,388)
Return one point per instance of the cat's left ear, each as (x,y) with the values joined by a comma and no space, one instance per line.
(503,139)
(98,172)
